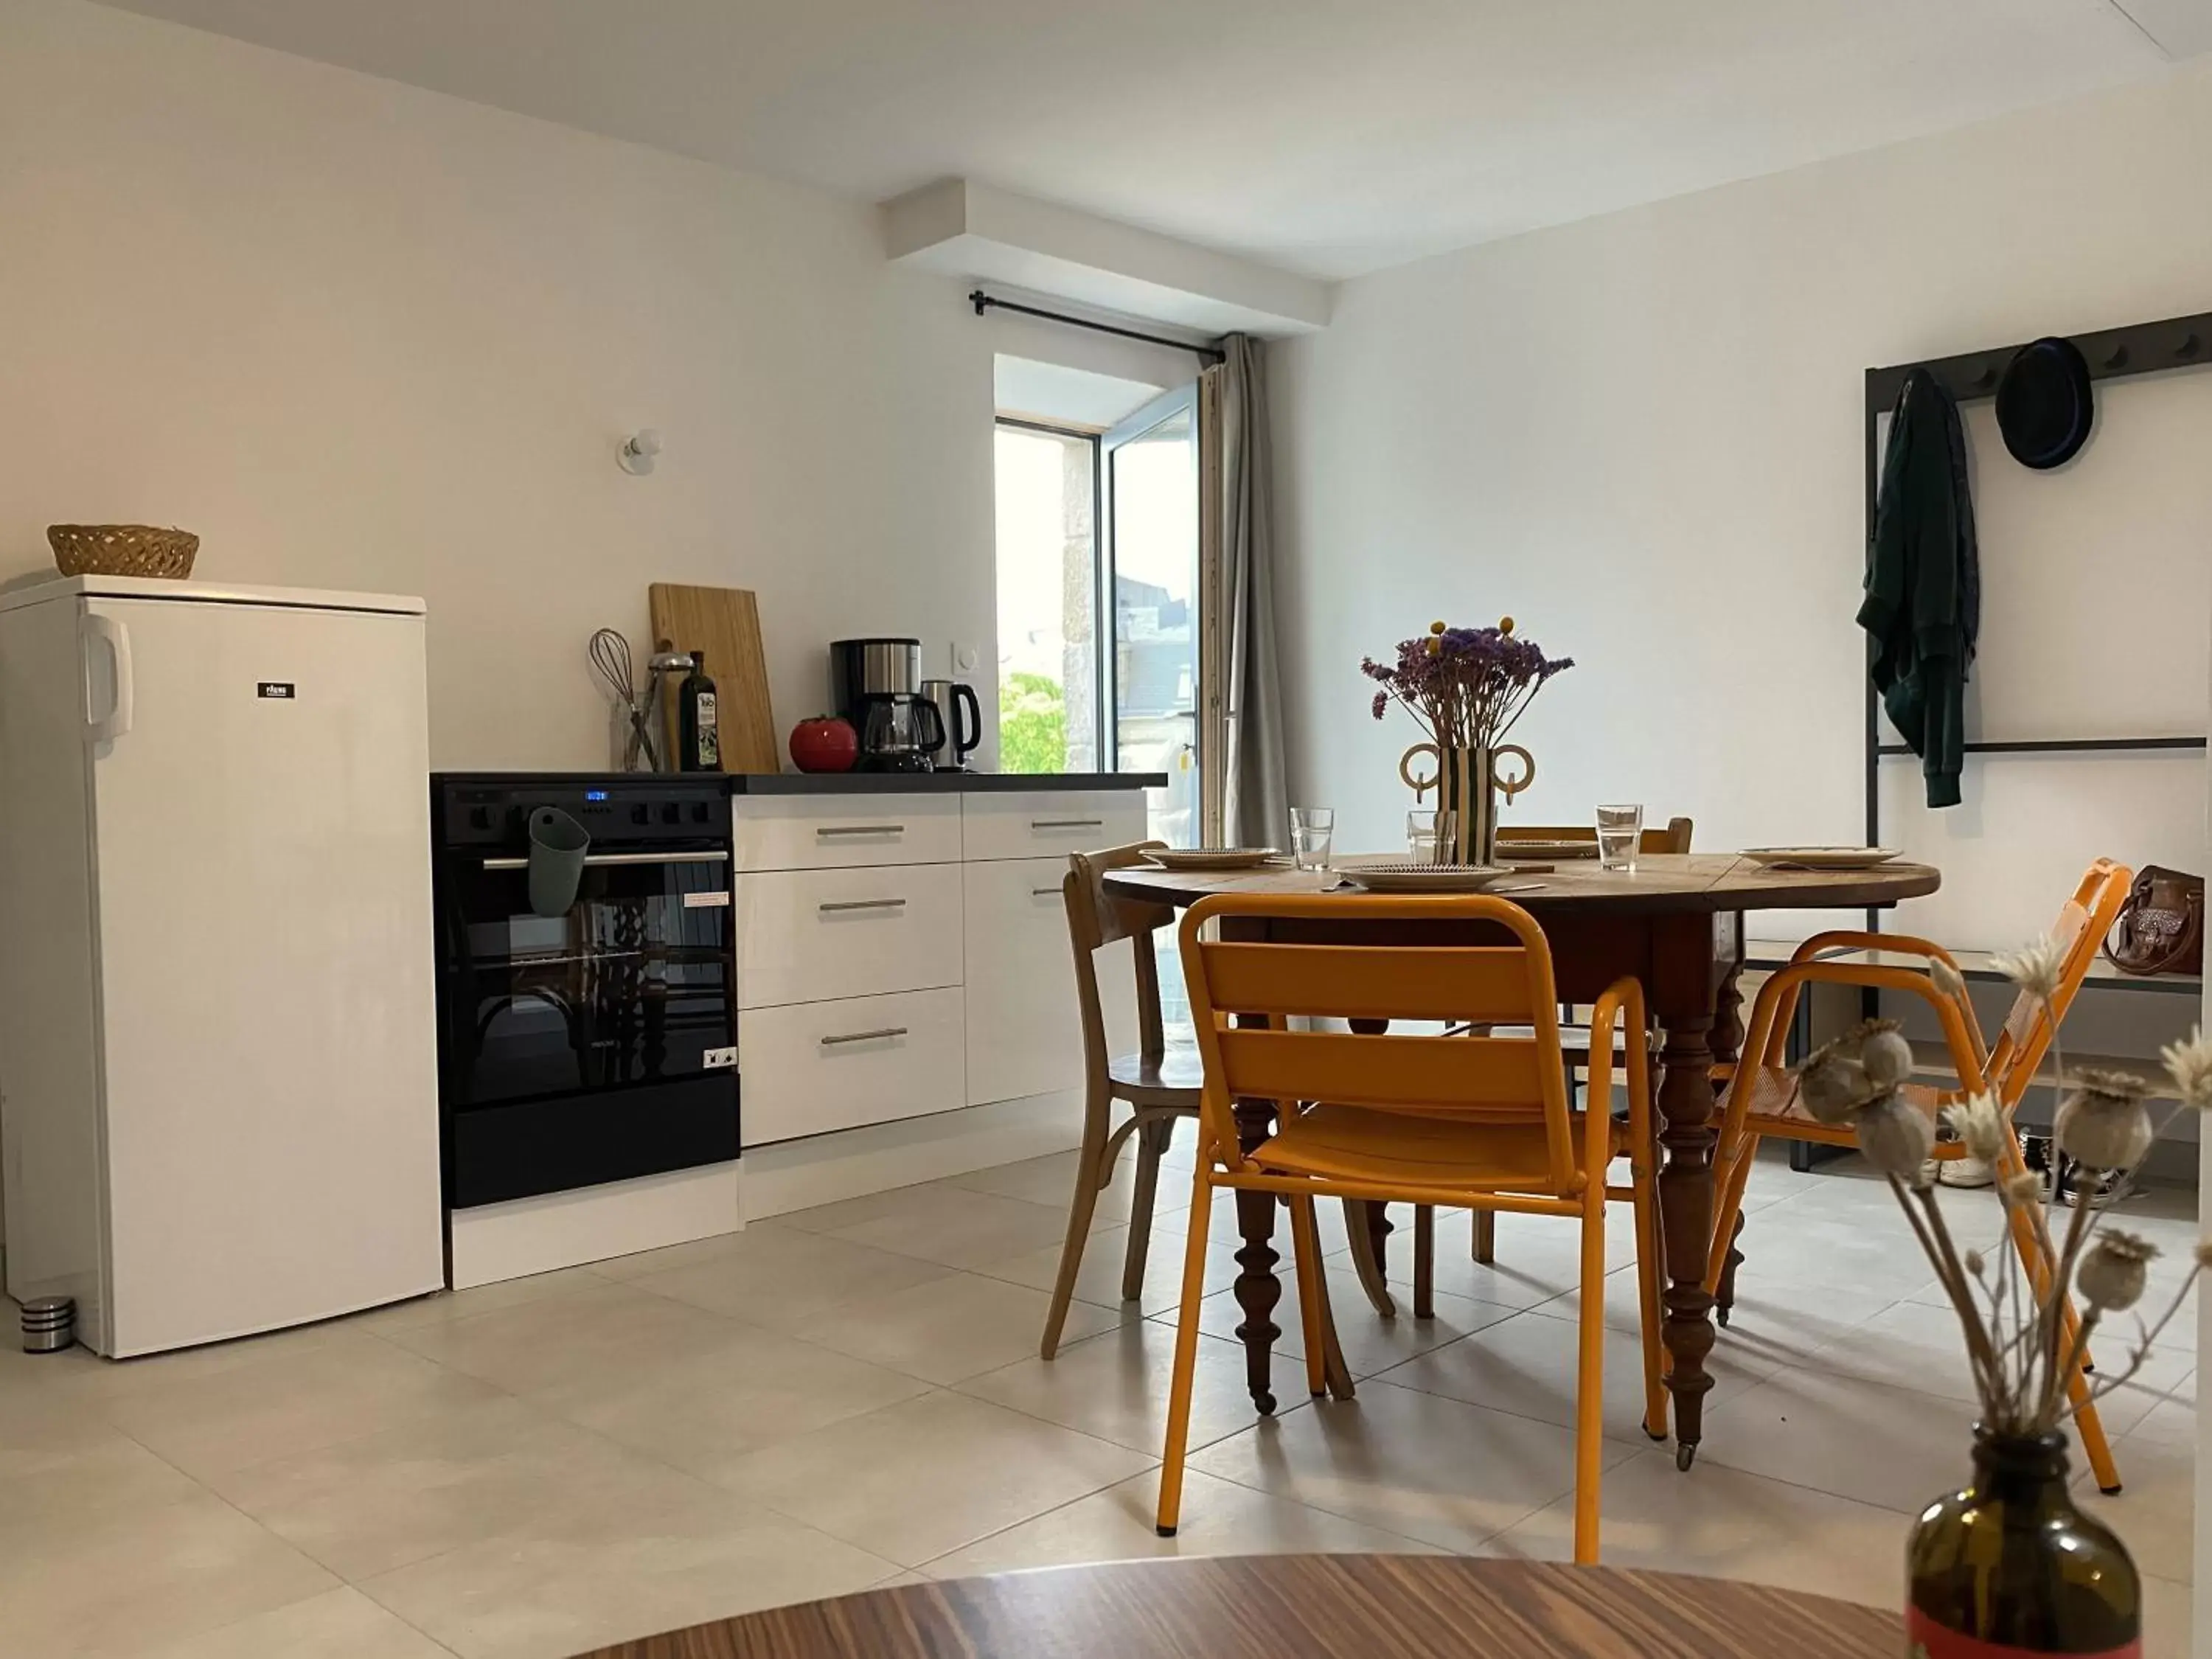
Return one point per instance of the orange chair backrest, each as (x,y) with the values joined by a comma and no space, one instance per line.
(2083,922)
(1246,990)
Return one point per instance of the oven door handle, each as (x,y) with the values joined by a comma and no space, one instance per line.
(620,858)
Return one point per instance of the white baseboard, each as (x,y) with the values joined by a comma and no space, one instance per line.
(526,1236)
(798,1175)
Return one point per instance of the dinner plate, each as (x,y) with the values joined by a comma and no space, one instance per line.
(1822,858)
(1425,877)
(1519,847)
(1209,858)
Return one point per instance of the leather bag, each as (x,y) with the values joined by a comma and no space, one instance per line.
(2160,929)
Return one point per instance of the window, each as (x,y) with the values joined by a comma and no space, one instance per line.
(1099,624)
(1047,554)
(1150,493)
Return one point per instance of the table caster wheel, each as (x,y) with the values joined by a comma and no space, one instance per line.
(1683,1457)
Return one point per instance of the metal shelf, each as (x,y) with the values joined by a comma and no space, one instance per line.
(2060,746)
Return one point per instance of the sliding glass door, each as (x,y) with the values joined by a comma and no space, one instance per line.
(1151,497)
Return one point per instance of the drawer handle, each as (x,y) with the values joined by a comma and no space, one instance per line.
(1067,824)
(862,904)
(825,833)
(595,858)
(1044,892)
(864,1037)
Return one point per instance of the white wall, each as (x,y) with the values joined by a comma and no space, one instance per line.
(361,336)
(1640,435)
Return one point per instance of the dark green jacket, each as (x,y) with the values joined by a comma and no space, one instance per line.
(1923,605)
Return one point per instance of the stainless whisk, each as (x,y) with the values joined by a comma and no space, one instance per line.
(610,653)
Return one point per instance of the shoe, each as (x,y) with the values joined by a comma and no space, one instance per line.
(2098,1189)
(1966,1172)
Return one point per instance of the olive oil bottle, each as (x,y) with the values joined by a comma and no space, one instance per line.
(699,737)
(2007,1567)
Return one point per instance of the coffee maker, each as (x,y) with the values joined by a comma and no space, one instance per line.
(877,685)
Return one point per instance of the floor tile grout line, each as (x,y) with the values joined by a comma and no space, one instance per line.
(1295,1503)
(1339,1515)
(338,1579)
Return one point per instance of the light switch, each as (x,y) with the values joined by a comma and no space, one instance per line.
(964,659)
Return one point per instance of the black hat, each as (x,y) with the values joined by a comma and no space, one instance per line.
(2043,405)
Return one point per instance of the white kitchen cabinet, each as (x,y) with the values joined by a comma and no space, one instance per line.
(1049,823)
(814,832)
(1025,1030)
(815,935)
(814,1068)
(905,954)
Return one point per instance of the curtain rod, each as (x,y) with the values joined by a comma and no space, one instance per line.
(984,302)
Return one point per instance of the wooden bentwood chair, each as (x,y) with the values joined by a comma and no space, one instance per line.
(1762,1100)
(1472,1121)
(1159,1086)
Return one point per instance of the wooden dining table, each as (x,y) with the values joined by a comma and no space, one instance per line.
(1676,923)
(1300,1607)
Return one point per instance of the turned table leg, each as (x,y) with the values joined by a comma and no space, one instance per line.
(1728,1048)
(1257,1289)
(1686,1219)
(1724,1293)
(1692,955)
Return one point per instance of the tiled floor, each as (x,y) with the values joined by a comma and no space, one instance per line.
(846,1396)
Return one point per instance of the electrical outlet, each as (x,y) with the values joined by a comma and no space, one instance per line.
(719,1059)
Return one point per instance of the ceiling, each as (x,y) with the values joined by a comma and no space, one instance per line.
(1327,136)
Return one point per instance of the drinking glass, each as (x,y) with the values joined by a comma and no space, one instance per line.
(1432,838)
(1313,831)
(1619,835)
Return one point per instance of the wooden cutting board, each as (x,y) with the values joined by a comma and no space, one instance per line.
(725,623)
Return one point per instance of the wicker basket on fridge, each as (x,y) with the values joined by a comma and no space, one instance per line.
(122,549)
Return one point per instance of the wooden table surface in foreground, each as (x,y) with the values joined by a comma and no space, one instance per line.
(1675,923)
(1301,1606)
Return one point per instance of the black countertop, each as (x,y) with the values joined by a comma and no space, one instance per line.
(936,783)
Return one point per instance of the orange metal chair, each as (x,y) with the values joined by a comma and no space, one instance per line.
(1762,1096)
(1477,1122)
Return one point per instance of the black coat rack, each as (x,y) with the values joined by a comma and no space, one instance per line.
(2112,353)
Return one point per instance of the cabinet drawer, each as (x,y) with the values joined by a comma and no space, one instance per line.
(1024,1026)
(1050,823)
(814,935)
(815,832)
(814,1068)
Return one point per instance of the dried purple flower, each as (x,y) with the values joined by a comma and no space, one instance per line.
(1467,685)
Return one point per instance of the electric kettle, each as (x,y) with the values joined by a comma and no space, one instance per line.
(960,719)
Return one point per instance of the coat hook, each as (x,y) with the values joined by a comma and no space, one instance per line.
(1985,375)
(2116,358)
(2189,346)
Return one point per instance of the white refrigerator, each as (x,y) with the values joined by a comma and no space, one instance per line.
(218,1072)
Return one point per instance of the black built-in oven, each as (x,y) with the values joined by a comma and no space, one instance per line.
(600,1044)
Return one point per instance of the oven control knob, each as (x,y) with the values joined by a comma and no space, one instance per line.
(672,813)
(641,813)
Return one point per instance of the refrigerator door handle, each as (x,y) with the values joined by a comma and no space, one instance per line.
(116,722)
